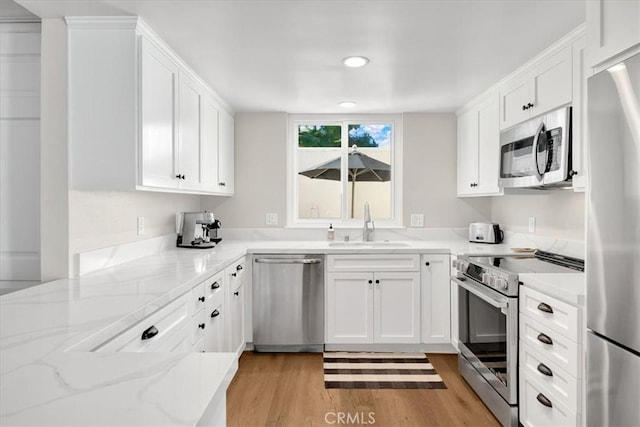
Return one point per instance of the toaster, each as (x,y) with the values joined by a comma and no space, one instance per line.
(485,232)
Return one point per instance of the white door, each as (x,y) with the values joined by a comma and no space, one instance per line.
(189,133)
(467,152)
(612,27)
(225,153)
(436,299)
(514,101)
(397,307)
(237,319)
(214,331)
(488,147)
(551,83)
(19,156)
(349,308)
(158,86)
(209,145)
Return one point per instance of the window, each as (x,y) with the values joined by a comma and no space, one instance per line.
(337,164)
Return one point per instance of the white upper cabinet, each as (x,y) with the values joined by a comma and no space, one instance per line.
(140,119)
(159,76)
(542,88)
(613,26)
(478,142)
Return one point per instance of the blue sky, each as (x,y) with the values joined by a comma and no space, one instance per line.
(381,133)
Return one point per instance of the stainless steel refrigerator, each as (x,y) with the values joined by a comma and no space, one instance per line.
(613,247)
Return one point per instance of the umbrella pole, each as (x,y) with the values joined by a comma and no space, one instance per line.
(353,194)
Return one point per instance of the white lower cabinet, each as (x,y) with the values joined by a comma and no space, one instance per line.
(215,314)
(550,360)
(436,299)
(365,307)
(167,329)
(235,276)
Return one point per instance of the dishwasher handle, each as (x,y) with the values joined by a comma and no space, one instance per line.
(288,260)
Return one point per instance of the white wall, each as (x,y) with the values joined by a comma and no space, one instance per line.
(260,172)
(429,174)
(99,219)
(558,213)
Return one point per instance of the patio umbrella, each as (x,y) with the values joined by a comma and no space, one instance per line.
(360,168)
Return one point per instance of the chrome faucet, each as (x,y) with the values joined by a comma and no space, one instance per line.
(368,224)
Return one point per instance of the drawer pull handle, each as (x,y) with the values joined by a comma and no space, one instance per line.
(201,325)
(544,400)
(149,333)
(201,299)
(545,307)
(215,285)
(544,339)
(215,313)
(234,274)
(236,293)
(238,267)
(544,370)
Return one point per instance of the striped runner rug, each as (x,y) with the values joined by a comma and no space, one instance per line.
(380,370)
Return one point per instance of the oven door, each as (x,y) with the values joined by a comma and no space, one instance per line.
(523,155)
(488,335)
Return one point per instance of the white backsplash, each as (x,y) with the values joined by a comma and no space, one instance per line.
(355,234)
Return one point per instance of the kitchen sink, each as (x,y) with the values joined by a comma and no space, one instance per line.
(382,244)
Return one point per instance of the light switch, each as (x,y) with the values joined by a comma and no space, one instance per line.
(532,224)
(272,219)
(417,220)
(140,225)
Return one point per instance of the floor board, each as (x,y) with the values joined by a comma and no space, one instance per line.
(287,389)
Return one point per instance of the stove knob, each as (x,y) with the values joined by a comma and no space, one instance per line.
(485,278)
(454,264)
(492,281)
(501,283)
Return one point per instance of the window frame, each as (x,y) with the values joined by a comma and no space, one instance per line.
(343,120)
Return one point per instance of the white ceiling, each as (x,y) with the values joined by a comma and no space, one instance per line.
(267,55)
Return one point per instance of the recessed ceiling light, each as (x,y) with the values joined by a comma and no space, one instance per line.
(347,104)
(355,61)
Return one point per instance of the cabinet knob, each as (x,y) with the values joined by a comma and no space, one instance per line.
(377,282)
(236,293)
(370,281)
(178,176)
(215,313)
(234,274)
(544,400)
(149,333)
(201,299)
(529,105)
(573,173)
(544,339)
(427,263)
(545,308)
(222,184)
(524,107)
(201,325)
(215,285)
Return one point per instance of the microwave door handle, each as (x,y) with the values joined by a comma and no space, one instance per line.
(499,303)
(536,142)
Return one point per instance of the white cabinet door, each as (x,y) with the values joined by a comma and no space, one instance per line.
(436,299)
(467,152)
(396,308)
(613,26)
(214,333)
(188,158)
(349,308)
(488,147)
(158,89)
(225,153)
(514,100)
(237,320)
(550,83)
(209,145)
(581,72)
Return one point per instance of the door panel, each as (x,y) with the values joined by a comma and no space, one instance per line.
(189,134)
(397,307)
(349,308)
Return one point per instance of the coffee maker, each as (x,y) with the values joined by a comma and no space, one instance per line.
(198,230)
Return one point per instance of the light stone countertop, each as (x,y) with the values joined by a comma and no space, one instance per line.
(567,287)
(43,383)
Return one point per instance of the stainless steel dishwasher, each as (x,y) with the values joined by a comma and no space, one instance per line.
(288,303)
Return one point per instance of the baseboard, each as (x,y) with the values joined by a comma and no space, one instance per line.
(422,348)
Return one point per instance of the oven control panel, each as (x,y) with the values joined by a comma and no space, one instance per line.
(494,278)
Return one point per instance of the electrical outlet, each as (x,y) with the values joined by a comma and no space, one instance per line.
(532,224)
(140,225)
(272,219)
(417,220)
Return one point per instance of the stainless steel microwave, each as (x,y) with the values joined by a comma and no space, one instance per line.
(537,153)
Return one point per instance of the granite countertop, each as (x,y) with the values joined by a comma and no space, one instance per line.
(43,382)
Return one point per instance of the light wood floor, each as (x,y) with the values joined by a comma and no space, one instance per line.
(288,390)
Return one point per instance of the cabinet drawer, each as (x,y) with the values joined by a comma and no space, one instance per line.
(237,273)
(534,413)
(214,291)
(561,350)
(160,326)
(395,262)
(197,298)
(557,382)
(199,325)
(564,318)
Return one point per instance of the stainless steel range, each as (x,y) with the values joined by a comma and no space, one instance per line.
(488,322)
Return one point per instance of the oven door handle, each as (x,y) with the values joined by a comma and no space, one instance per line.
(499,303)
